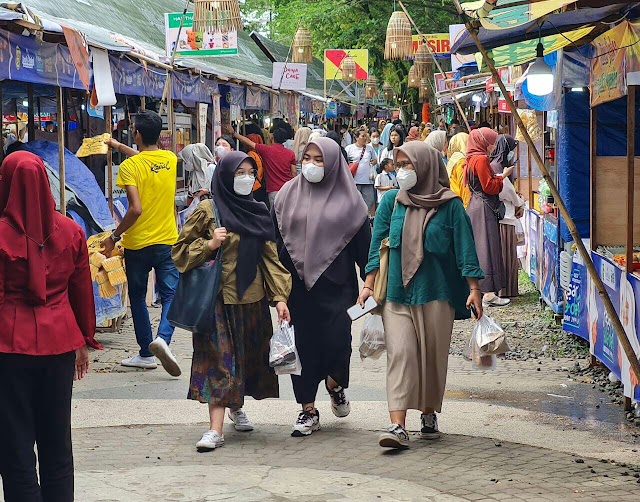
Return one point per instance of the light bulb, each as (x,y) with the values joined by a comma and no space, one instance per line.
(540,77)
(394,45)
(216,5)
(300,50)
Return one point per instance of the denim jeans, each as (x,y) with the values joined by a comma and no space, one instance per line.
(138,265)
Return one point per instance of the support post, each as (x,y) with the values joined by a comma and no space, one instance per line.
(593,129)
(108,122)
(31,120)
(584,254)
(61,130)
(631,127)
(171,122)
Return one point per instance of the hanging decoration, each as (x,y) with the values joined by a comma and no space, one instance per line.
(387,91)
(425,91)
(413,82)
(398,44)
(216,16)
(302,47)
(348,69)
(422,61)
(371,87)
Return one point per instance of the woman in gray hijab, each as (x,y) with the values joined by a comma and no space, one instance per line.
(323,232)
(199,162)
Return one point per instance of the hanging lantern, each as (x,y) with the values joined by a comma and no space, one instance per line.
(422,61)
(371,87)
(425,90)
(387,91)
(216,16)
(399,44)
(413,82)
(348,69)
(302,48)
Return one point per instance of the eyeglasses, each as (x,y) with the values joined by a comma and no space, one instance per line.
(404,164)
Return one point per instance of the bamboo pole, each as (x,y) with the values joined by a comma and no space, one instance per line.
(631,127)
(584,254)
(31,124)
(442,73)
(61,128)
(108,121)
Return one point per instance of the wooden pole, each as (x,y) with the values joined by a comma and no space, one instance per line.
(593,124)
(584,254)
(631,126)
(143,103)
(31,124)
(171,122)
(108,123)
(61,128)
(442,73)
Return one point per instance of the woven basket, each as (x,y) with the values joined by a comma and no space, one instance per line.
(348,67)
(413,82)
(371,88)
(387,91)
(218,15)
(399,44)
(425,90)
(302,47)
(422,61)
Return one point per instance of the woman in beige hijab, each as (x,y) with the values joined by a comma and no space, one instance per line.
(432,280)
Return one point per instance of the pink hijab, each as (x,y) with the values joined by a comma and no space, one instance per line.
(318,220)
(478,145)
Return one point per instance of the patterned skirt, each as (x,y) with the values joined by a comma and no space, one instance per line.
(234,362)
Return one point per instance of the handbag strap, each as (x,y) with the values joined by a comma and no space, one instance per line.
(216,216)
(364,148)
(481,196)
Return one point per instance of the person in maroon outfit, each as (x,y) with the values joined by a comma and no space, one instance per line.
(47,316)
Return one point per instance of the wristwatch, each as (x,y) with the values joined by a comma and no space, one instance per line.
(115,238)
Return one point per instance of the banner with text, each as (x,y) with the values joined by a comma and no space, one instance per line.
(196,43)
(290,76)
(608,67)
(437,42)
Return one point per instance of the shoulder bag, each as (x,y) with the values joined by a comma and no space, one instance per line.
(499,209)
(380,286)
(353,166)
(193,305)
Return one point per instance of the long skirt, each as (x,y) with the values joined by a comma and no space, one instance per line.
(488,246)
(418,339)
(234,362)
(323,335)
(510,260)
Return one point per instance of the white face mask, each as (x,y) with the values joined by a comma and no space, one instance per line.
(313,173)
(243,185)
(375,141)
(220,151)
(407,179)
(512,156)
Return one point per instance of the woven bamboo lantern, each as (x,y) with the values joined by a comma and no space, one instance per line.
(387,91)
(348,69)
(399,44)
(302,47)
(371,87)
(422,61)
(413,82)
(425,90)
(218,15)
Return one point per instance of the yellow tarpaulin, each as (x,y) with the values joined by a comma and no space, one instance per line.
(93,146)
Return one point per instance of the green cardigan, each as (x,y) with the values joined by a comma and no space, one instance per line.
(449,255)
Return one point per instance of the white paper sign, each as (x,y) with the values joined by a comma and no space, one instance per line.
(203,108)
(290,76)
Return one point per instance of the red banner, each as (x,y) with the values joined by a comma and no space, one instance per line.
(79,53)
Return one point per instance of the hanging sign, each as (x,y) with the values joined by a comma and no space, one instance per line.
(77,44)
(332,110)
(290,76)
(608,69)
(203,109)
(197,43)
(438,42)
(333,62)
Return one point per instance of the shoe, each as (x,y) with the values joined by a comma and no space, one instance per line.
(161,350)
(429,426)
(306,424)
(137,361)
(394,437)
(240,421)
(339,403)
(496,301)
(210,441)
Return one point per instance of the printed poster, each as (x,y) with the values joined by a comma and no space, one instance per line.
(77,44)
(608,79)
(575,306)
(197,43)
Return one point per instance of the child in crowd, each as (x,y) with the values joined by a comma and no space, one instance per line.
(386,180)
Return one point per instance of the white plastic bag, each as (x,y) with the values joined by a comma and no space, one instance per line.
(283,355)
(372,343)
(487,340)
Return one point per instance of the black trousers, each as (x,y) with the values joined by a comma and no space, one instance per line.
(35,408)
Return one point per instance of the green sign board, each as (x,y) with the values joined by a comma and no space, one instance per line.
(197,43)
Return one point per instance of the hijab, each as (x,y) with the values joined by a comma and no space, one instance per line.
(422,202)
(480,140)
(256,138)
(318,220)
(504,146)
(300,141)
(242,215)
(414,134)
(457,150)
(384,135)
(437,139)
(196,158)
(27,218)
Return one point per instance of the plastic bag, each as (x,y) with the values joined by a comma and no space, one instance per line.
(487,340)
(283,355)
(372,343)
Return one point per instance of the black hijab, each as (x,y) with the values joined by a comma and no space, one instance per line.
(504,146)
(243,215)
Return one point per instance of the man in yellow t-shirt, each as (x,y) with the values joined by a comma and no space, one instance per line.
(148,231)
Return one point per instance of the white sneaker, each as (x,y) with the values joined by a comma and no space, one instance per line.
(240,421)
(339,403)
(210,441)
(394,437)
(306,424)
(137,361)
(161,350)
(496,301)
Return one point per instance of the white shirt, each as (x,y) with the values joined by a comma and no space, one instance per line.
(363,174)
(386,154)
(511,201)
(384,179)
(346,140)
(377,150)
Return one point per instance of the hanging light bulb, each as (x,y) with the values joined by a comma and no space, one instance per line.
(540,76)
